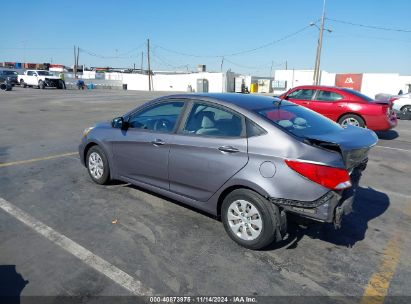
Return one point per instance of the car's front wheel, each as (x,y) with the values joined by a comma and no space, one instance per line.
(22,83)
(352,120)
(249,219)
(97,165)
(406,110)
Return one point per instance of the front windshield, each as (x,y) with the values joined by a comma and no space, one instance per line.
(44,73)
(298,120)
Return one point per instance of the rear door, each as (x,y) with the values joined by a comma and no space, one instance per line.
(329,104)
(302,97)
(210,147)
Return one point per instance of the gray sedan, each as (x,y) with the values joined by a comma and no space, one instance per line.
(251,160)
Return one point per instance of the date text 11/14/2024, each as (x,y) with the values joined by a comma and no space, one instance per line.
(203,299)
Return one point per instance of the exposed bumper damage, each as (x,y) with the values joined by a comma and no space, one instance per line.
(329,208)
(52,83)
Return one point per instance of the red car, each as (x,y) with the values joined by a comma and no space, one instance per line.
(345,106)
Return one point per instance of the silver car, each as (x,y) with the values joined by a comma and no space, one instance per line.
(251,160)
(402,105)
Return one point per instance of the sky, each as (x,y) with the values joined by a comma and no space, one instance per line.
(250,37)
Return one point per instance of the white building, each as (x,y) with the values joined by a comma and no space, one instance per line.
(370,83)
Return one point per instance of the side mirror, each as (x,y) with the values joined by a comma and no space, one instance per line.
(119,123)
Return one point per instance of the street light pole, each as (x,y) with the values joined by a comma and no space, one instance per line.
(317,71)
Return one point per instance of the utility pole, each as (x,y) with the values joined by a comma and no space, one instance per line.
(78,54)
(271,68)
(141,69)
(286,65)
(317,71)
(222,62)
(75,66)
(148,64)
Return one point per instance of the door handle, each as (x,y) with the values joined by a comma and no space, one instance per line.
(306,102)
(158,142)
(228,149)
(341,106)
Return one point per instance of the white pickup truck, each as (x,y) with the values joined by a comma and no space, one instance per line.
(40,79)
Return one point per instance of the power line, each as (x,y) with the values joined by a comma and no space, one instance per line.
(239,52)
(358,36)
(262,66)
(164,62)
(121,56)
(371,26)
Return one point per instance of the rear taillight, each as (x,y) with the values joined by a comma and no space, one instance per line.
(387,110)
(329,177)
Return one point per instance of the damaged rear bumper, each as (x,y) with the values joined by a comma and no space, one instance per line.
(329,208)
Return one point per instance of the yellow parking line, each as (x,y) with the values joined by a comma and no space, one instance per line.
(33,160)
(377,287)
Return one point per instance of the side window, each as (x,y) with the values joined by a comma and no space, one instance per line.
(212,121)
(328,96)
(159,118)
(302,94)
(30,73)
(253,129)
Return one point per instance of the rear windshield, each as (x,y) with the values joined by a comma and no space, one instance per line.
(358,94)
(298,120)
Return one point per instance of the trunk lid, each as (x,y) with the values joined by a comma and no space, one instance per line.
(352,142)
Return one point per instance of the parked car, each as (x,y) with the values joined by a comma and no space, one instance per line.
(402,105)
(250,159)
(345,106)
(9,76)
(40,79)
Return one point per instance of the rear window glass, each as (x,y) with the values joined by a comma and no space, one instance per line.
(358,94)
(328,96)
(298,120)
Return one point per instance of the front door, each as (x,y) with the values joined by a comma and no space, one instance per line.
(141,152)
(302,97)
(209,149)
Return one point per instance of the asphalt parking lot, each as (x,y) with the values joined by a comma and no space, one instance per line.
(162,247)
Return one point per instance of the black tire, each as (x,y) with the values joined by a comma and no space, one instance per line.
(42,85)
(23,84)
(105,176)
(354,118)
(406,111)
(269,215)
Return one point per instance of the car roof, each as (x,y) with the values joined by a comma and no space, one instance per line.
(245,101)
(318,87)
